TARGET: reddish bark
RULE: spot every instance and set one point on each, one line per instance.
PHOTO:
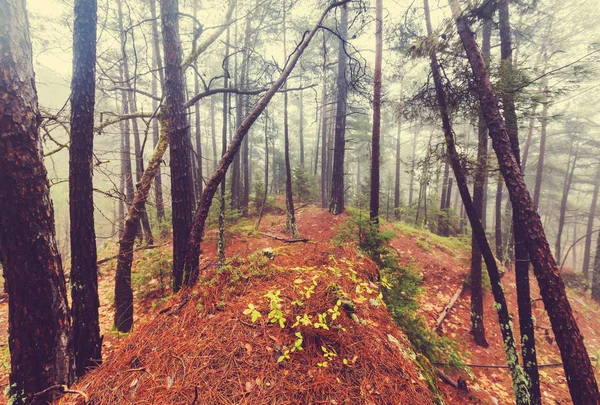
(38, 315)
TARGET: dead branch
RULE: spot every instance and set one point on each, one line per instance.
(107, 259)
(294, 240)
(64, 390)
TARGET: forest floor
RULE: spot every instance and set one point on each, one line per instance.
(132, 362)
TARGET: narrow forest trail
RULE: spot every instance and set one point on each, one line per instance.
(444, 264)
(206, 340)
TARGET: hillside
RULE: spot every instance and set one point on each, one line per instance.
(304, 322)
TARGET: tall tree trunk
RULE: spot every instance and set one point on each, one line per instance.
(542, 154)
(526, 326)
(443, 217)
(198, 138)
(197, 233)
(301, 122)
(336, 201)
(528, 139)
(590, 225)
(39, 324)
(130, 107)
(182, 196)
(245, 157)
(122, 197)
(324, 129)
(156, 65)
(412, 170)
(576, 362)
(213, 132)
(596, 273)
(571, 164)
(519, 383)
(290, 221)
(477, 324)
(235, 170)
(498, 224)
(87, 343)
(397, 177)
(375, 151)
(126, 172)
(225, 113)
(266, 193)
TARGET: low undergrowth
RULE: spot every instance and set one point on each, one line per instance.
(402, 283)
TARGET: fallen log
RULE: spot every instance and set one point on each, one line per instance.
(449, 306)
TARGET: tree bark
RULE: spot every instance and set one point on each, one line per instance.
(397, 177)
(182, 196)
(198, 138)
(596, 273)
(375, 147)
(123, 319)
(290, 219)
(498, 224)
(39, 323)
(225, 114)
(571, 165)
(542, 154)
(324, 130)
(266, 193)
(156, 66)
(526, 326)
(129, 107)
(477, 323)
(577, 365)
(412, 170)
(87, 343)
(197, 232)
(519, 382)
(590, 226)
(336, 201)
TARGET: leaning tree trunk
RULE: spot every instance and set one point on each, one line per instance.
(576, 362)
(375, 148)
(193, 253)
(123, 319)
(87, 343)
(336, 201)
(156, 65)
(39, 324)
(526, 326)
(477, 324)
(182, 196)
(512, 358)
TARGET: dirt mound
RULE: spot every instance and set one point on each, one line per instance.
(300, 323)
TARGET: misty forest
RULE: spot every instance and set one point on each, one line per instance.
(299, 202)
